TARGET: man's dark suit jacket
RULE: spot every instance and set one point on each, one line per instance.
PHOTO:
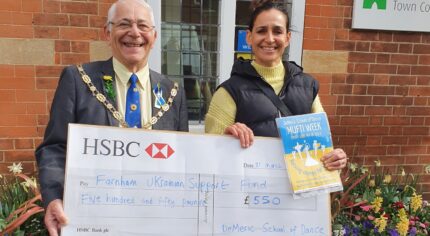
(74, 103)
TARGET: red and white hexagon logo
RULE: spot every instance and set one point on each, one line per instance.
(159, 150)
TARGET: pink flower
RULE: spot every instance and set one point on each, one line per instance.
(357, 218)
(366, 208)
(370, 217)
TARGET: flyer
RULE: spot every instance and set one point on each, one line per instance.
(305, 139)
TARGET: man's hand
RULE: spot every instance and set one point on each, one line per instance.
(242, 132)
(335, 160)
(55, 217)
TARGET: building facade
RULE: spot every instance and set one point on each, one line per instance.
(375, 85)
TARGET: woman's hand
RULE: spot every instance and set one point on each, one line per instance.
(335, 160)
(242, 132)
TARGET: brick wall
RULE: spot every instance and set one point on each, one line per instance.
(379, 99)
(375, 86)
(37, 39)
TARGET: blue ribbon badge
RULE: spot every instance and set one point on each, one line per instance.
(158, 93)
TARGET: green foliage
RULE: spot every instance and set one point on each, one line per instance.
(21, 211)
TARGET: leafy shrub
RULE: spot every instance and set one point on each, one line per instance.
(21, 211)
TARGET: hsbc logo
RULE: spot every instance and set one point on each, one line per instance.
(159, 150)
(119, 148)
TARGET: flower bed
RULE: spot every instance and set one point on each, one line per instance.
(379, 204)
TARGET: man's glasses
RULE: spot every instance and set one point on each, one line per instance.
(128, 25)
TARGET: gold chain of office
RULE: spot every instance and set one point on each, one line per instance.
(116, 114)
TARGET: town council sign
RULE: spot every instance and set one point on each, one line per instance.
(404, 15)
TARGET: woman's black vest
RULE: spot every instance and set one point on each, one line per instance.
(255, 109)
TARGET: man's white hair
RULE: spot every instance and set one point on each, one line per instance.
(112, 11)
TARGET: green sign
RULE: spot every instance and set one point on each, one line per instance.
(380, 4)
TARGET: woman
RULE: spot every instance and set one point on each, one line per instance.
(243, 105)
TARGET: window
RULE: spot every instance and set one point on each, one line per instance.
(189, 49)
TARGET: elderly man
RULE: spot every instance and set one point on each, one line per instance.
(121, 91)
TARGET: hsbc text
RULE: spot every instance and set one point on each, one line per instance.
(106, 147)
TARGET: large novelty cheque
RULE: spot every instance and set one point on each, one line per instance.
(137, 182)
